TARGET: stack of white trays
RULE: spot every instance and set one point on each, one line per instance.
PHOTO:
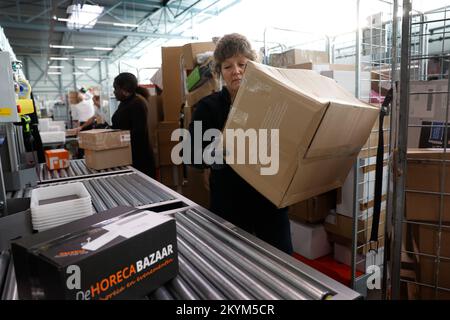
(56, 205)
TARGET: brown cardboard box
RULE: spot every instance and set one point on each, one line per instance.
(109, 158)
(323, 67)
(173, 92)
(171, 176)
(165, 144)
(425, 173)
(342, 226)
(103, 139)
(315, 209)
(321, 131)
(205, 90)
(194, 187)
(191, 50)
(298, 56)
(380, 81)
(428, 244)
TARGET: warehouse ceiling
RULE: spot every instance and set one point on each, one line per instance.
(123, 28)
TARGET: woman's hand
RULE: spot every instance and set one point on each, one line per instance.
(206, 174)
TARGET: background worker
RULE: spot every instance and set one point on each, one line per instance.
(132, 115)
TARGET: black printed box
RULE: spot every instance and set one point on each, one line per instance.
(122, 253)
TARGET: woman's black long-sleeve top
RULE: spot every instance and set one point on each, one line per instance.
(231, 197)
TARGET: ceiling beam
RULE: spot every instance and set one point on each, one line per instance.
(96, 31)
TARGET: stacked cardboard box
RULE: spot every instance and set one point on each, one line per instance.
(427, 111)
(424, 183)
(194, 186)
(106, 148)
(298, 56)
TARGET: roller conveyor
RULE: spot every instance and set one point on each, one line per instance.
(217, 261)
(77, 169)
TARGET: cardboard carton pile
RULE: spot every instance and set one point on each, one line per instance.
(106, 148)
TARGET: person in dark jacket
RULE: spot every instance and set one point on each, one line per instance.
(132, 115)
(231, 197)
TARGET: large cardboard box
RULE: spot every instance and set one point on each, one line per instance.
(191, 50)
(424, 174)
(109, 158)
(98, 257)
(298, 56)
(315, 209)
(342, 226)
(173, 92)
(206, 89)
(102, 139)
(429, 272)
(165, 144)
(321, 128)
(310, 240)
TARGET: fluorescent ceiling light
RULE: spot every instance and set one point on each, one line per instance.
(92, 59)
(83, 16)
(125, 25)
(61, 46)
(78, 73)
(54, 72)
(102, 48)
(84, 67)
(59, 58)
(56, 67)
(62, 19)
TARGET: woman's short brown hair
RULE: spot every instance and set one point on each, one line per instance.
(230, 45)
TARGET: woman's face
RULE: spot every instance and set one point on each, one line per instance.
(119, 93)
(232, 72)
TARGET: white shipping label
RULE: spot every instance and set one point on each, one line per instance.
(125, 138)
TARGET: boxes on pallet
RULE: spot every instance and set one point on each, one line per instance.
(424, 177)
(310, 240)
(321, 128)
(342, 226)
(315, 209)
(365, 186)
(343, 254)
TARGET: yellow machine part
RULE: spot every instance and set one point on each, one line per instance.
(26, 106)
